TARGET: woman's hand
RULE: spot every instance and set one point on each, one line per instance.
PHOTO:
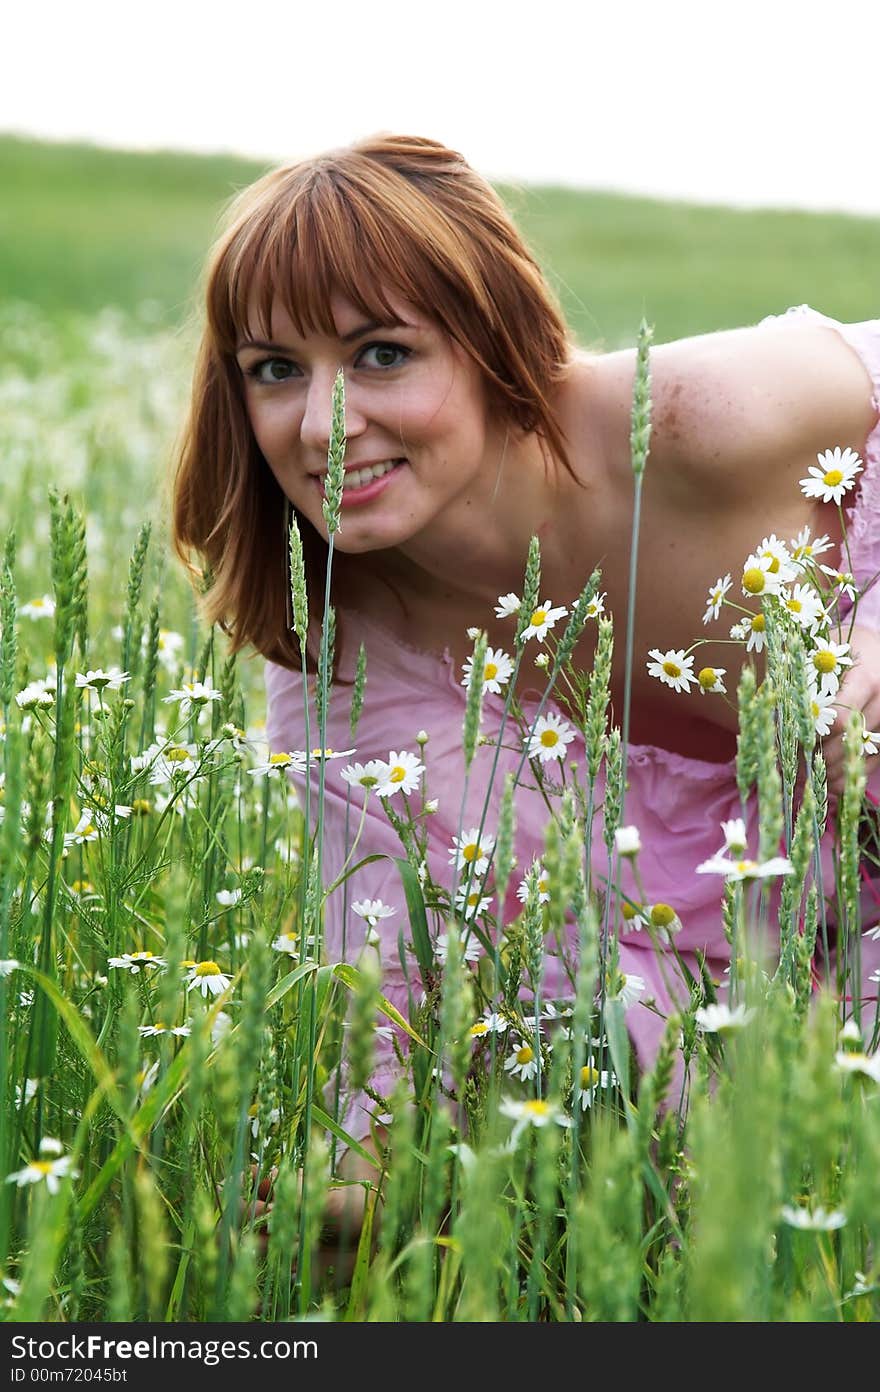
(859, 690)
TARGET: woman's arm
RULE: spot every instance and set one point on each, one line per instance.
(748, 406)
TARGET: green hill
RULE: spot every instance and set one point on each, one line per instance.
(82, 227)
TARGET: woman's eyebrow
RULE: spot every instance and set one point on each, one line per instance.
(349, 337)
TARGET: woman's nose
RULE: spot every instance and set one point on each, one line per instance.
(317, 420)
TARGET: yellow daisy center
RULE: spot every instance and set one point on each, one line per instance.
(397, 774)
(473, 899)
(743, 866)
(758, 624)
(44, 1166)
(539, 617)
(536, 1107)
(207, 969)
(833, 477)
(774, 562)
(470, 851)
(815, 708)
(279, 759)
(629, 911)
(672, 669)
(141, 807)
(754, 580)
(490, 671)
(707, 678)
(662, 915)
(589, 1076)
(525, 1054)
(543, 886)
(549, 738)
(824, 661)
(794, 605)
(142, 956)
(479, 1029)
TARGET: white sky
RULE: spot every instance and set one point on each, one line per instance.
(749, 102)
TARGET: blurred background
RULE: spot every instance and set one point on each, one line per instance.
(698, 165)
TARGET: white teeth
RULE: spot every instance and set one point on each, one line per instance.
(356, 478)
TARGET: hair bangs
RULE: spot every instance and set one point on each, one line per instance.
(326, 241)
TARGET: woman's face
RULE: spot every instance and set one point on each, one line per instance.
(415, 420)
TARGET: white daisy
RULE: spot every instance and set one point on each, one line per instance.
(367, 775)
(835, 474)
(816, 1221)
(470, 950)
(591, 1081)
(867, 1065)
(775, 553)
(193, 694)
(522, 893)
(709, 681)
(287, 943)
(537, 1111)
(136, 961)
(826, 663)
(173, 762)
(152, 1031)
(522, 1063)
(596, 606)
(402, 774)
(734, 833)
(844, 580)
(507, 606)
(278, 763)
(753, 629)
(870, 740)
(37, 694)
(220, 1028)
(228, 898)
(823, 710)
(100, 680)
(8, 965)
(746, 869)
(663, 919)
(85, 830)
(672, 667)
(720, 1019)
(759, 579)
(371, 910)
(803, 549)
(626, 988)
(45, 1171)
(543, 618)
(550, 737)
(42, 608)
(491, 1023)
(804, 605)
(471, 849)
(497, 670)
(716, 597)
(207, 978)
(627, 841)
(470, 903)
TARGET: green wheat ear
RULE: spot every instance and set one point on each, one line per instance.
(335, 458)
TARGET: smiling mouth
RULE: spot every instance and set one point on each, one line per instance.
(359, 478)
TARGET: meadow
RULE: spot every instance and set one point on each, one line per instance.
(172, 1035)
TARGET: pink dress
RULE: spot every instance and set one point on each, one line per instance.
(677, 802)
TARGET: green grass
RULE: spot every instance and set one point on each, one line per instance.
(82, 227)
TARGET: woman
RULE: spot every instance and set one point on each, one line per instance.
(472, 423)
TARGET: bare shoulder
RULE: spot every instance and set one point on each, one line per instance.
(729, 406)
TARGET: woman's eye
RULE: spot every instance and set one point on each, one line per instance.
(271, 370)
(384, 354)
